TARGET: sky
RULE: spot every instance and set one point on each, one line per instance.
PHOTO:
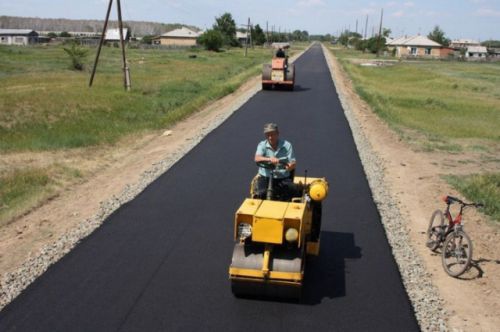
(470, 19)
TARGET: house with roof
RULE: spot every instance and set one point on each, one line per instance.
(177, 37)
(415, 46)
(113, 35)
(476, 53)
(18, 37)
(463, 43)
(494, 53)
(242, 37)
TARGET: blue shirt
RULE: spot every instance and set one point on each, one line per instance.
(284, 152)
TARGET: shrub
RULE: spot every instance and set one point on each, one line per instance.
(212, 40)
(77, 55)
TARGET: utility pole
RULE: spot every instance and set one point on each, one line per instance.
(126, 71)
(267, 33)
(366, 25)
(246, 43)
(380, 32)
(356, 25)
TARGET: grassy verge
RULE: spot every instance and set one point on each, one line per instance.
(433, 104)
(21, 189)
(482, 188)
(450, 107)
(46, 106)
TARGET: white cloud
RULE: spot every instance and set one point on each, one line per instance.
(311, 3)
(409, 4)
(399, 13)
(486, 12)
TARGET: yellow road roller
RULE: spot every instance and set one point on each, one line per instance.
(273, 239)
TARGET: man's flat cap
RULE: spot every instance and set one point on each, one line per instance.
(270, 127)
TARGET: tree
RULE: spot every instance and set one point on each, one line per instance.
(77, 55)
(147, 39)
(212, 40)
(438, 36)
(227, 27)
(65, 34)
(258, 35)
(349, 38)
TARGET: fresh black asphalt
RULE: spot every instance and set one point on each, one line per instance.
(160, 263)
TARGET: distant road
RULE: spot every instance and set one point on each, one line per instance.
(160, 263)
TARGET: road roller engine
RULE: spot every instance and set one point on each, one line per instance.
(273, 238)
(278, 74)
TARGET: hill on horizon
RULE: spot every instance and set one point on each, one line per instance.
(138, 28)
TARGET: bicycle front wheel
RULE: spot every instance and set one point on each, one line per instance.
(457, 253)
(436, 230)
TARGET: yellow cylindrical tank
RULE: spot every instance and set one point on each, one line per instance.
(318, 190)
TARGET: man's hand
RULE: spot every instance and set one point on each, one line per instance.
(274, 160)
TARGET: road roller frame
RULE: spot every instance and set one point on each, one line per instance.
(278, 74)
(273, 239)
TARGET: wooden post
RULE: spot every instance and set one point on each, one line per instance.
(126, 72)
(380, 33)
(100, 43)
(246, 41)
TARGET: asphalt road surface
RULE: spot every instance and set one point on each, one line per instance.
(160, 263)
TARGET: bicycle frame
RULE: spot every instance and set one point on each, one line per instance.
(458, 219)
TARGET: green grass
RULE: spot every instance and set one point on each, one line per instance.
(44, 105)
(480, 188)
(22, 188)
(441, 101)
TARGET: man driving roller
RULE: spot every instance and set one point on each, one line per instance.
(279, 153)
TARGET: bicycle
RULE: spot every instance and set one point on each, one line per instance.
(456, 255)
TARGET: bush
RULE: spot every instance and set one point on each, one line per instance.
(77, 55)
(212, 40)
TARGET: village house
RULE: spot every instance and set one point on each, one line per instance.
(494, 53)
(416, 46)
(177, 37)
(113, 35)
(242, 37)
(463, 43)
(18, 37)
(476, 53)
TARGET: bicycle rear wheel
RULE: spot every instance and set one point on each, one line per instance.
(436, 230)
(457, 253)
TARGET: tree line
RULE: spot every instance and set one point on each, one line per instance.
(223, 33)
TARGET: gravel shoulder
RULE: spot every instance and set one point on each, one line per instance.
(405, 185)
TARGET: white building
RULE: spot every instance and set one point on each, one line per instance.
(476, 53)
(463, 43)
(113, 35)
(18, 36)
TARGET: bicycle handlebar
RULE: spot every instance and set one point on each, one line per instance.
(450, 200)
